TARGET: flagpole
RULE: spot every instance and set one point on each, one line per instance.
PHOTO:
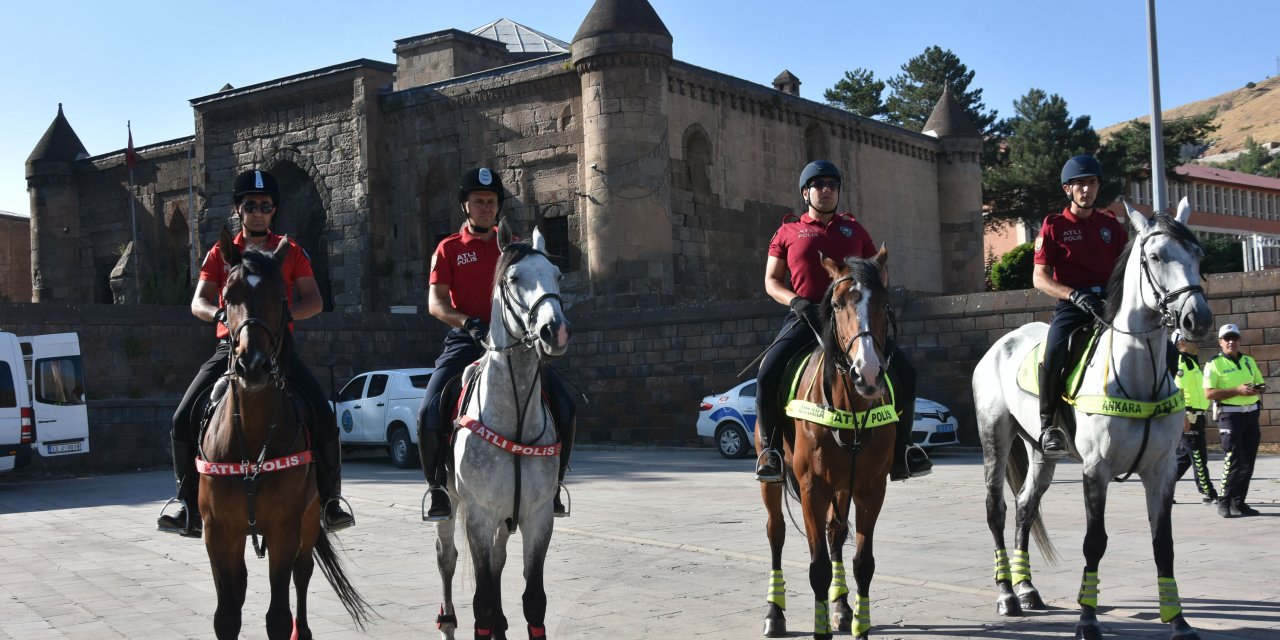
(133, 212)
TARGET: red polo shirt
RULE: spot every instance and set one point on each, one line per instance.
(297, 265)
(467, 264)
(800, 238)
(1082, 251)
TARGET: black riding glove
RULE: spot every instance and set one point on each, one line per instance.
(220, 316)
(1088, 302)
(476, 328)
(805, 309)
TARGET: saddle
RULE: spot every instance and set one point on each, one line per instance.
(202, 409)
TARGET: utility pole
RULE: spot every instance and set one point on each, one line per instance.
(1159, 201)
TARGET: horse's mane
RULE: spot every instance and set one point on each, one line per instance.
(865, 273)
(1165, 224)
(513, 253)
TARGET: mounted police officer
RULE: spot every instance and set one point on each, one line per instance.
(461, 295)
(1074, 256)
(257, 198)
(794, 277)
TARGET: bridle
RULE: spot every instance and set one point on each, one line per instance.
(1163, 297)
(515, 311)
(844, 364)
(275, 337)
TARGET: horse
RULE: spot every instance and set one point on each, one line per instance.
(255, 460)
(1156, 282)
(839, 451)
(505, 452)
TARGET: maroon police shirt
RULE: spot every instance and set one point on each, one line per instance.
(1082, 251)
(800, 238)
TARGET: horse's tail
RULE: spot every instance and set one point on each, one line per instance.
(331, 566)
(1015, 472)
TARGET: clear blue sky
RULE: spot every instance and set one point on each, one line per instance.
(113, 62)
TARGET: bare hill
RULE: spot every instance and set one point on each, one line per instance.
(1241, 113)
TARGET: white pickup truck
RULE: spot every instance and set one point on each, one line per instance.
(42, 398)
(380, 408)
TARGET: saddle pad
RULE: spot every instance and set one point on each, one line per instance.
(1029, 370)
(1028, 381)
(831, 416)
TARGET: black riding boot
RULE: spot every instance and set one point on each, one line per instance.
(769, 464)
(909, 458)
(1053, 440)
(186, 520)
(432, 450)
(566, 448)
(329, 483)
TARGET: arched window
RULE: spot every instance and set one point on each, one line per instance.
(697, 159)
(815, 143)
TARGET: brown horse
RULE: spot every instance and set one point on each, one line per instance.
(840, 449)
(256, 476)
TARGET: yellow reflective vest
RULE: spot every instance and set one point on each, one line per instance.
(1222, 373)
(1191, 381)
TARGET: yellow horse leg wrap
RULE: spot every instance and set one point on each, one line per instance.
(862, 616)
(1170, 603)
(1089, 590)
(1021, 566)
(1002, 565)
(838, 587)
(777, 589)
(822, 618)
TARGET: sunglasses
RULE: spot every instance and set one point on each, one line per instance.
(825, 184)
(1230, 337)
(264, 208)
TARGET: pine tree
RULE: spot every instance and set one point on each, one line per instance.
(858, 92)
(915, 91)
(1024, 180)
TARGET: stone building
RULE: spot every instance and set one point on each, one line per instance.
(656, 181)
(15, 258)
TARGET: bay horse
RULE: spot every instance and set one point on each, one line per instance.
(839, 452)
(1155, 283)
(255, 460)
(506, 454)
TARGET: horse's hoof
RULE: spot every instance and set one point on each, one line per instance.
(1007, 605)
(841, 616)
(1031, 601)
(822, 636)
(775, 628)
(1182, 630)
(1091, 631)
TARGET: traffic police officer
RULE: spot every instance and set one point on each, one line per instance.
(1191, 451)
(1233, 382)
(794, 276)
(1074, 256)
(461, 292)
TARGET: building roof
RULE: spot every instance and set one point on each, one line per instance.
(949, 119)
(1236, 178)
(621, 16)
(59, 142)
(785, 76)
(519, 38)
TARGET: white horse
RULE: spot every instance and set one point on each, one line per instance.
(1156, 283)
(506, 454)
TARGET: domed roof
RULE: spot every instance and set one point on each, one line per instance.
(621, 16)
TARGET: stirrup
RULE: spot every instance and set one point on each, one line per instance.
(762, 460)
(324, 521)
(1054, 454)
(567, 503)
(444, 518)
(186, 530)
(906, 463)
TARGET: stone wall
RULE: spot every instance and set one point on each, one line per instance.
(15, 258)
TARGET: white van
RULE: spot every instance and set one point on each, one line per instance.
(42, 398)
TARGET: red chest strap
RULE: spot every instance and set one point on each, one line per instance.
(290, 461)
(505, 444)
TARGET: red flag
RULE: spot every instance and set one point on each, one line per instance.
(130, 157)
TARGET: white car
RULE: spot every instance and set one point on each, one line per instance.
(380, 408)
(729, 420)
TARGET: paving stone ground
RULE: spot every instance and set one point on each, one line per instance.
(661, 544)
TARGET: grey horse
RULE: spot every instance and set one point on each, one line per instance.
(506, 455)
(1156, 283)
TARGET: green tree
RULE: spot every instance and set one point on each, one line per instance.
(1023, 180)
(859, 92)
(1126, 156)
(1013, 271)
(915, 91)
(1222, 254)
(1254, 159)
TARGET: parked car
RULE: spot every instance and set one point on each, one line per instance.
(42, 398)
(729, 420)
(380, 408)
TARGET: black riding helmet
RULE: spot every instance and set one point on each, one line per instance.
(480, 179)
(1081, 166)
(818, 169)
(255, 181)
